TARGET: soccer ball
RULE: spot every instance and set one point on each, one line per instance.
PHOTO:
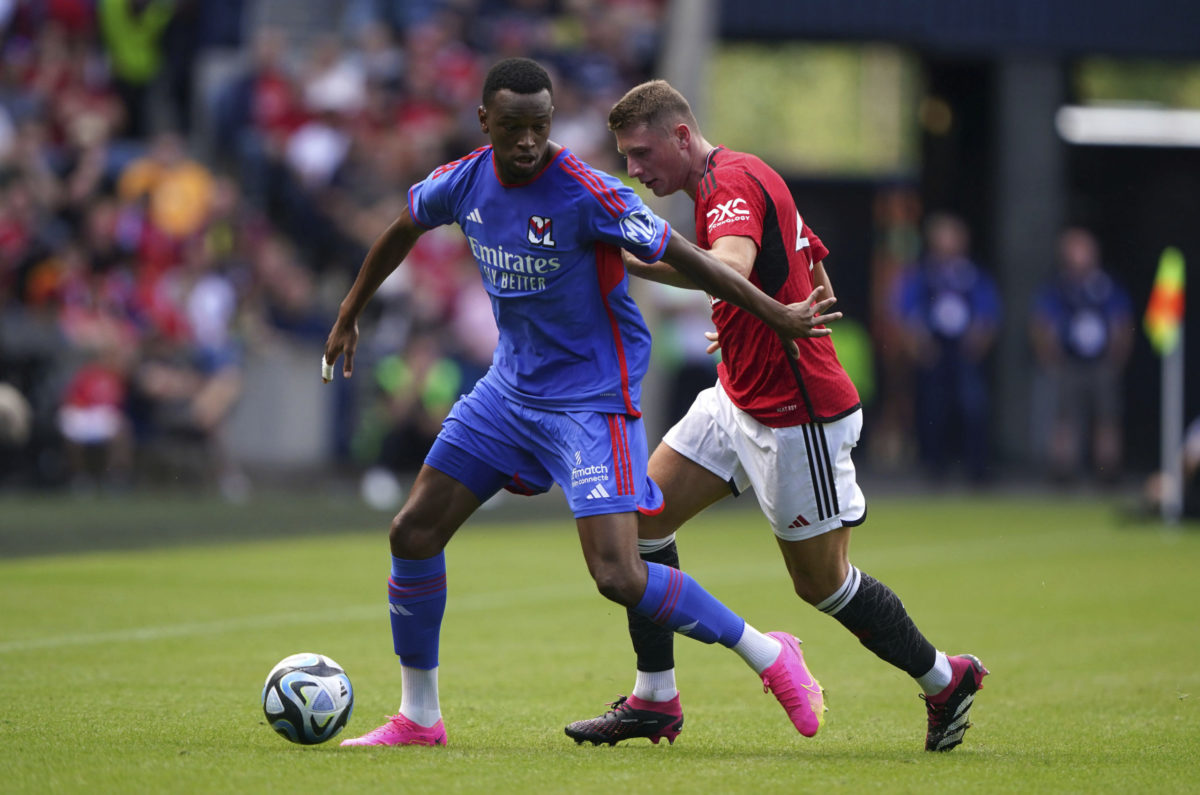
(307, 698)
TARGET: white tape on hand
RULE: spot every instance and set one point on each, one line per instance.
(326, 370)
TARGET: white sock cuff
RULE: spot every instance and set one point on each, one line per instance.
(758, 650)
(648, 545)
(937, 678)
(842, 596)
(419, 695)
(656, 685)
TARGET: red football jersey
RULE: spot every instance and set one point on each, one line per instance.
(741, 195)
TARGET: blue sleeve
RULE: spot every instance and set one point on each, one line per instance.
(621, 218)
(430, 201)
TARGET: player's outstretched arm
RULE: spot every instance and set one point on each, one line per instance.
(789, 321)
(659, 272)
(388, 251)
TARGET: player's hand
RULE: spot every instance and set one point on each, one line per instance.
(342, 341)
(804, 319)
(714, 342)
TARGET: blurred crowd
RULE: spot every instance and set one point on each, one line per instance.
(153, 234)
(937, 321)
(157, 229)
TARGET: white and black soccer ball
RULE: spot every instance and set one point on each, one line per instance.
(307, 698)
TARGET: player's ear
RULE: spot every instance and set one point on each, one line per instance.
(483, 125)
(683, 135)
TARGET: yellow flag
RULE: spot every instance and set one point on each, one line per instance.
(1164, 311)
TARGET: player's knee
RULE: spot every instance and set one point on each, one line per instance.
(656, 526)
(412, 539)
(813, 590)
(618, 583)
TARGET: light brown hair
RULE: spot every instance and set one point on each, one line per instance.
(655, 103)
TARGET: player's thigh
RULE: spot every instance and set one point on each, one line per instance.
(609, 543)
(598, 459)
(481, 445)
(436, 507)
(696, 464)
(688, 488)
(817, 565)
(610, 538)
(804, 475)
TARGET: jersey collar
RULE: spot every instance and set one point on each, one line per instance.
(562, 152)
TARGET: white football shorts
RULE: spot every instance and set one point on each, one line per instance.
(803, 476)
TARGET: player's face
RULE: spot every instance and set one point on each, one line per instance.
(519, 128)
(654, 157)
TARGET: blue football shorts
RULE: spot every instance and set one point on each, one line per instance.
(489, 442)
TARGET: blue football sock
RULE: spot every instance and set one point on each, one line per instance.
(676, 601)
(417, 601)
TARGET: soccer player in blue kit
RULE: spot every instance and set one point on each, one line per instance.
(560, 403)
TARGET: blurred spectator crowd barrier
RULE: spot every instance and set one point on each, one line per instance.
(186, 188)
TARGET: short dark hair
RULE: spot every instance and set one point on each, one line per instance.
(518, 75)
(654, 103)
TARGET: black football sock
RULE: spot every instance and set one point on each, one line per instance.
(654, 644)
(877, 617)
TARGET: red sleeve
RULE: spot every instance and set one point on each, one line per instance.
(733, 205)
(819, 252)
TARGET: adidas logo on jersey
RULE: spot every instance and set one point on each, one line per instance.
(799, 521)
(475, 216)
(598, 492)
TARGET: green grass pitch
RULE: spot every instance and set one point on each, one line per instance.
(140, 670)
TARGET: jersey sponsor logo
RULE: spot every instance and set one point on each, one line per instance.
(594, 473)
(475, 216)
(639, 228)
(509, 270)
(498, 257)
(541, 231)
(728, 212)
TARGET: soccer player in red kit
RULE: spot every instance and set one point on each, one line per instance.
(785, 426)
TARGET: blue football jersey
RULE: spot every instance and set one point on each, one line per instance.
(548, 249)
